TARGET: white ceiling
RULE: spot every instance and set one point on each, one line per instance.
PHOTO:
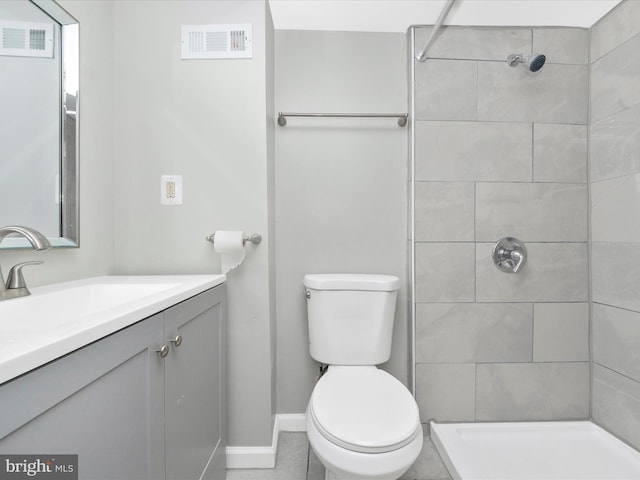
(398, 15)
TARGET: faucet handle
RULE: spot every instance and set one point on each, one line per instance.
(15, 278)
(519, 260)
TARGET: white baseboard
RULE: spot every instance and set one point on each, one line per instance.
(265, 457)
(251, 457)
(292, 422)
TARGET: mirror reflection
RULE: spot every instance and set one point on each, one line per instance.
(38, 123)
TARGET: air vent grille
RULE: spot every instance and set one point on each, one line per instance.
(37, 39)
(216, 41)
(236, 40)
(13, 37)
(196, 41)
(26, 39)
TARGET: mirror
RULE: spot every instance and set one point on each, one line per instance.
(39, 61)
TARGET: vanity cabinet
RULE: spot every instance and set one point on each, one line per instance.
(195, 393)
(129, 411)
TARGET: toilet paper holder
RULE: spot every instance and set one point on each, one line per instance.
(256, 238)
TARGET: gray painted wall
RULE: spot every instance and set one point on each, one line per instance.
(96, 255)
(501, 152)
(340, 184)
(206, 120)
(615, 229)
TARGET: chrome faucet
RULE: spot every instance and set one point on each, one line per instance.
(15, 285)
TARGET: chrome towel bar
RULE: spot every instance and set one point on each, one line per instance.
(402, 117)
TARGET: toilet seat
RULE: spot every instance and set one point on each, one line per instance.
(364, 409)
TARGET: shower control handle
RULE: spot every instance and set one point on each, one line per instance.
(518, 257)
(509, 254)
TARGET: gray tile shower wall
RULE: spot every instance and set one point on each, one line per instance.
(615, 232)
(501, 152)
(457, 151)
(532, 391)
(557, 94)
(614, 144)
(616, 403)
(554, 272)
(559, 152)
(614, 29)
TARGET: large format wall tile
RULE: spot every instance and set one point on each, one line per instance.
(444, 272)
(618, 26)
(554, 272)
(475, 43)
(616, 339)
(615, 272)
(532, 391)
(614, 145)
(559, 153)
(616, 404)
(614, 156)
(472, 332)
(614, 80)
(531, 212)
(446, 392)
(562, 45)
(555, 94)
(561, 332)
(473, 151)
(444, 211)
(446, 90)
(615, 209)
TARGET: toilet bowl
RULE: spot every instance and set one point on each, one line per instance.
(363, 424)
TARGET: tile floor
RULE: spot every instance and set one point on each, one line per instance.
(296, 461)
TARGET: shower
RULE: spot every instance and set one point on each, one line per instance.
(534, 62)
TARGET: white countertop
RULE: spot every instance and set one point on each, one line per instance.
(58, 319)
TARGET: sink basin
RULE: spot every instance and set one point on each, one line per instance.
(61, 306)
(57, 319)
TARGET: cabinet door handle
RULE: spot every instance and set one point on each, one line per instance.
(177, 341)
(164, 351)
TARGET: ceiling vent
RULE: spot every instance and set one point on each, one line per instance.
(216, 41)
(26, 39)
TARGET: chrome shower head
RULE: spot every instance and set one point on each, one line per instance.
(534, 62)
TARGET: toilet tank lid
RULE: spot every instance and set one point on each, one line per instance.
(352, 281)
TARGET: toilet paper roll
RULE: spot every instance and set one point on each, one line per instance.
(230, 245)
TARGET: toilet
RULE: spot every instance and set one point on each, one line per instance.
(362, 423)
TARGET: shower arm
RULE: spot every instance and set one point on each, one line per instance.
(422, 56)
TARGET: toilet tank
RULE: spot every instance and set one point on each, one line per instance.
(351, 317)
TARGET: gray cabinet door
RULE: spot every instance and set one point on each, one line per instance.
(195, 393)
(103, 402)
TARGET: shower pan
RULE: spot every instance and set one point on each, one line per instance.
(534, 451)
